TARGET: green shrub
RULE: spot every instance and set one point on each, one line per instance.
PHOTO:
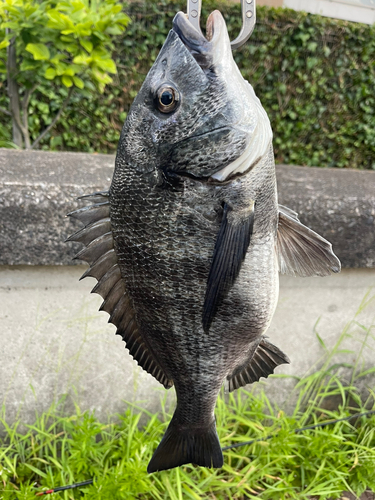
(315, 77)
(51, 41)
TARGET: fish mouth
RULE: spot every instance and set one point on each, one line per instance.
(202, 48)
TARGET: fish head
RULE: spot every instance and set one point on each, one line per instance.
(195, 114)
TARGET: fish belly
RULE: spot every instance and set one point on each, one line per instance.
(248, 310)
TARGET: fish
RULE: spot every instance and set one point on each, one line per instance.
(188, 242)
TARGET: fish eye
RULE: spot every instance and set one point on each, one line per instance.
(167, 99)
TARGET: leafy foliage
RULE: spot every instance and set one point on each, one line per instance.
(59, 40)
(315, 77)
(58, 45)
(317, 463)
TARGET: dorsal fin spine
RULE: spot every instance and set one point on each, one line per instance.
(100, 253)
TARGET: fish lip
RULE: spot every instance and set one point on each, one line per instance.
(201, 48)
(208, 51)
(191, 38)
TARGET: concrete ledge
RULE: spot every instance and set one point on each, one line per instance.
(39, 188)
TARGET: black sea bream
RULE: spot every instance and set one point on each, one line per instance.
(188, 242)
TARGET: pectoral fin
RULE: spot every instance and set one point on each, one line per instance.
(301, 251)
(230, 250)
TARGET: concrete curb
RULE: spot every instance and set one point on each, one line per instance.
(39, 188)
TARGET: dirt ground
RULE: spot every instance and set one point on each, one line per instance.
(367, 495)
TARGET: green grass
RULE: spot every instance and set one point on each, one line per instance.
(58, 449)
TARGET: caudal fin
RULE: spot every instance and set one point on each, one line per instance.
(183, 445)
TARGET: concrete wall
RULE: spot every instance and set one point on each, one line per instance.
(358, 11)
(53, 340)
(270, 3)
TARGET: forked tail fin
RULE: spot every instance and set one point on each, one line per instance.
(183, 445)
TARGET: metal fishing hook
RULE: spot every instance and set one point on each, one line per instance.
(248, 9)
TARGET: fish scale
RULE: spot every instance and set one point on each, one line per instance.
(188, 242)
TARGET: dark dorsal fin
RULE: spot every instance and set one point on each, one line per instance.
(230, 250)
(262, 361)
(301, 251)
(100, 254)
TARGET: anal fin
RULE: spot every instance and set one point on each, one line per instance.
(262, 363)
